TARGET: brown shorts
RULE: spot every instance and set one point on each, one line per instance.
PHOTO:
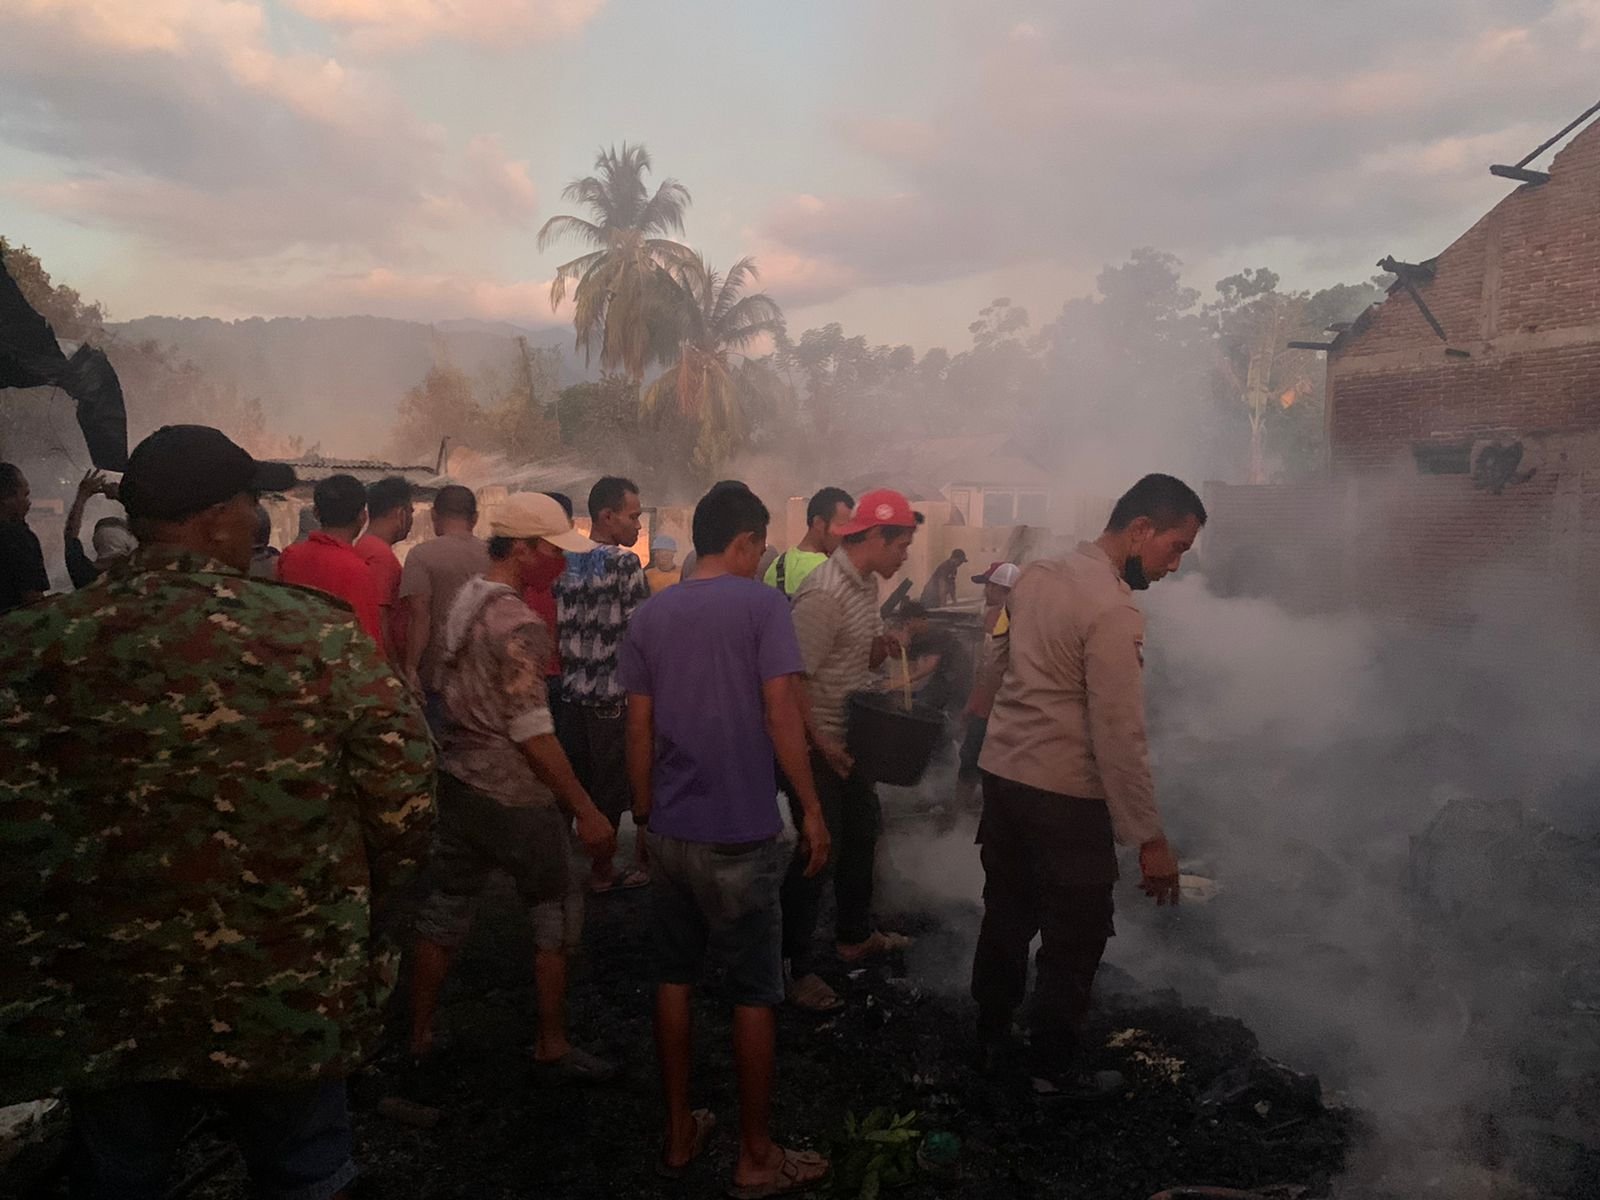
(475, 836)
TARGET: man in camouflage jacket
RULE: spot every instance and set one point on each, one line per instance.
(208, 783)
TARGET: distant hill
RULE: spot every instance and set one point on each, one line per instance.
(337, 380)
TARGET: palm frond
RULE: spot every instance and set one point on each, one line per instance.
(559, 227)
(663, 212)
(747, 320)
(739, 276)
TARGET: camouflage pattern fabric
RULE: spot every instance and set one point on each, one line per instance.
(205, 782)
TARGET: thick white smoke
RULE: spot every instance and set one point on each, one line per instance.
(1390, 815)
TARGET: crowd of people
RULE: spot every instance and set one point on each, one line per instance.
(238, 783)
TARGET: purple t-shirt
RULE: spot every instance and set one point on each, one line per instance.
(701, 651)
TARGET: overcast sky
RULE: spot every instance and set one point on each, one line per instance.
(892, 164)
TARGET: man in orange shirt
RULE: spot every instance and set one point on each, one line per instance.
(327, 559)
(389, 516)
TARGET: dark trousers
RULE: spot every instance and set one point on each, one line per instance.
(595, 739)
(1049, 864)
(850, 810)
(295, 1140)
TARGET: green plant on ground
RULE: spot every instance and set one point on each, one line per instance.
(875, 1153)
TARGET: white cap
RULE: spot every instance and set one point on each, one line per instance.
(1005, 575)
(535, 515)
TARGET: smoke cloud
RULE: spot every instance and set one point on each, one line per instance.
(1398, 822)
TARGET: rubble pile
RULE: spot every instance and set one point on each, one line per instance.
(1506, 916)
(1200, 1106)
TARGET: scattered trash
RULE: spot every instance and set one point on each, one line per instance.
(940, 1154)
(1147, 1053)
(408, 1112)
(1261, 1085)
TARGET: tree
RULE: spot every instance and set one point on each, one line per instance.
(597, 416)
(442, 405)
(520, 414)
(159, 386)
(1279, 390)
(713, 321)
(70, 316)
(621, 280)
(1252, 319)
(1122, 375)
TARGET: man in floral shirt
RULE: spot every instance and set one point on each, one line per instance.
(595, 599)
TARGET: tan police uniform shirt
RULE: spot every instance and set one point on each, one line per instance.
(1069, 715)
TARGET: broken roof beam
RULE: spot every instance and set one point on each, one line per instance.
(1406, 270)
(1311, 345)
(1520, 174)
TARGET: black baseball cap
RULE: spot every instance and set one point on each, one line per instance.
(180, 470)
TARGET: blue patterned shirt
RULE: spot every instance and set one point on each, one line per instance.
(595, 597)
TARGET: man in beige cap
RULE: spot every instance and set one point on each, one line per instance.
(507, 793)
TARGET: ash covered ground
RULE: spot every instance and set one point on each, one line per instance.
(1201, 1105)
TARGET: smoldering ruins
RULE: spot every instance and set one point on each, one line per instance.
(1372, 703)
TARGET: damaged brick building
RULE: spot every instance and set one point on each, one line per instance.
(1463, 420)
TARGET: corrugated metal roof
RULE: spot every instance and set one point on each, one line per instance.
(313, 469)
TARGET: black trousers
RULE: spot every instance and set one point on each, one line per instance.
(851, 811)
(1049, 864)
(595, 738)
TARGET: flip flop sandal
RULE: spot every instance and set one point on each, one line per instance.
(705, 1124)
(799, 1171)
(627, 881)
(878, 944)
(575, 1066)
(812, 994)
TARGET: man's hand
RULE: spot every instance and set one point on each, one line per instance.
(837, 757)
(93, 482)
(885, 644)
(1159, 866)
(596, 833)
(816, 841)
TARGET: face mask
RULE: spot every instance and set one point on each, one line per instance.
(1133, 573)
(545, 571)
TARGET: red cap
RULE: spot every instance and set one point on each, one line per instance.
(883, 506)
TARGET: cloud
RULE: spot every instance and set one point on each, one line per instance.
(180, 121)
(384, 25)
(894, 139)
(1068, 135)
(498, 183)
(405, 295)
(796, 280)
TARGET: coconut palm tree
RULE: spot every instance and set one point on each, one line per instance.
(712, 321)
(620, 280)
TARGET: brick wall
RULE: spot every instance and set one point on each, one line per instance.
(1434, 550)
(1519, 292)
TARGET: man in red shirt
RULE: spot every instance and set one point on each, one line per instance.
(327, 559)
(389, 515)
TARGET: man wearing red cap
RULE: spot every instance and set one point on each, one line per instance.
(842, 642)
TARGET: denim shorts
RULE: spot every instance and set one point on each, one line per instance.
(719, 903)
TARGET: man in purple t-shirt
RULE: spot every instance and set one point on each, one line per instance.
(711, 668)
